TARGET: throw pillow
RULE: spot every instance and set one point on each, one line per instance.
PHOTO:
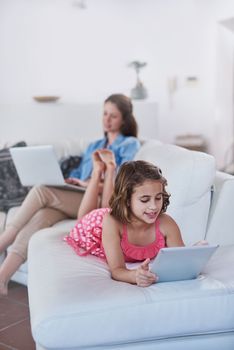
(12, 193)
(68, 164)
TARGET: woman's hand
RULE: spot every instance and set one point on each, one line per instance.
(144, 277)
(76, 182)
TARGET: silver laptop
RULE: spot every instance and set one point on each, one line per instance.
(38, 165)
(181, 263)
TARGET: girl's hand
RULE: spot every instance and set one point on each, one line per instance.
(77, 182)
(202, 242)
(144, 277)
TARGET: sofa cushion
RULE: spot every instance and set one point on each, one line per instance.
(68, 147)
(77, 296)
(190, 176)
(12, 193)
(68, 164)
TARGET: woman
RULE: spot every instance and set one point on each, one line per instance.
(44, 206)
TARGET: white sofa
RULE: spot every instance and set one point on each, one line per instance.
(74, 303)
(64, 148)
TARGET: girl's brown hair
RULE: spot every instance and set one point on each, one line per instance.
(124, 105)
(130, 175)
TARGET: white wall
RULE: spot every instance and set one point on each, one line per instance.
(53, 47)
(52, 122)
(224, 113)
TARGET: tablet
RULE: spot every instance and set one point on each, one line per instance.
(181, 263)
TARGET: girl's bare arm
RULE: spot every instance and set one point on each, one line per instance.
(111, 242)
(171, 231)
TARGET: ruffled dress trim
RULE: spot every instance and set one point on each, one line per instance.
(133, 253)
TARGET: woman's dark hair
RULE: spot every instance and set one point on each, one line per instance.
(130, 175)
(124, 105)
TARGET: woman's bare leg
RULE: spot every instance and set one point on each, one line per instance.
(7, 269)
(91, 196)
(7, 238)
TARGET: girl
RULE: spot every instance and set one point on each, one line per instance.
(44, 206)
(135, 227)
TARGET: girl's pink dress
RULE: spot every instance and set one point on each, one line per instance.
(88, 231)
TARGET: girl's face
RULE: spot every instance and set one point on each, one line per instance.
(147, 201)
(112, 118)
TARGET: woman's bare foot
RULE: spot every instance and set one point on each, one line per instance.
(3, 289)
(108, 157)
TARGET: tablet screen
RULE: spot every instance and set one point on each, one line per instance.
(181, 263)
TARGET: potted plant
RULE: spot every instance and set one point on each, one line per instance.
(139, 91)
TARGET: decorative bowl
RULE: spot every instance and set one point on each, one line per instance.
(46, 98)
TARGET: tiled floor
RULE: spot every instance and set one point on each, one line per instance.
(15, 332)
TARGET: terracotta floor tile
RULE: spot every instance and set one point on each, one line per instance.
(13, 284)
(11, 312)
(6, 347)
(15, 330)
(18, 293)
(18, 336)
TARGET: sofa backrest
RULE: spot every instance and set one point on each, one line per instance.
(190, 175)
(70, 147)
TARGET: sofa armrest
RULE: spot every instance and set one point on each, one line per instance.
(220, 228)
